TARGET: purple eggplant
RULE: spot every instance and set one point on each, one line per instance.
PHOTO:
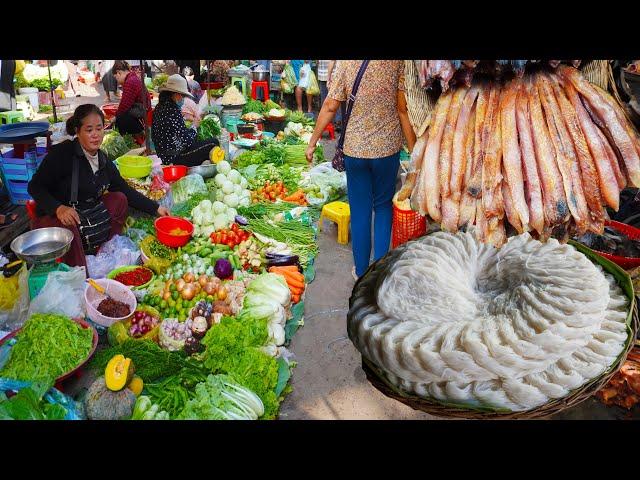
(240, 220)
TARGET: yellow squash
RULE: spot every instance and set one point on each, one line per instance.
(118, 373)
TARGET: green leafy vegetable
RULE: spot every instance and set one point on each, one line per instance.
(145, 223)
(47, 347)
(159, 80)
(269, 209)
(150, 360)
(254, 106)
(188, 186)
(184, 209)
(209, 127)
(43, 84)
(299, 117)
(173, 392)
(114, 145)
(28, 404)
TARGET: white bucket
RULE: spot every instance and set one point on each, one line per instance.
(32, 94)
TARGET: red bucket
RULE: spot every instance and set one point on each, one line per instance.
(633, 233)
(407, 225)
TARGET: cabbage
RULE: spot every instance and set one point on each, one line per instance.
(219, 207)
(237, 189)
(188, 186)
(227, 187)
(219, 195)
(207, 230)
(276, 333)
(243, 182)
(219, 179)
(231, 200)
(221, 221)
(271, 285)
(234, 176)
(245, 202)
(224, 167)
(223, 269)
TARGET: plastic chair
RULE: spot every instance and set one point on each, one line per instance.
(339, 213)
(263, 85)
(331, 130)
(243, 84)
(12, 116)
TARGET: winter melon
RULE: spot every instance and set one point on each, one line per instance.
(104, 404)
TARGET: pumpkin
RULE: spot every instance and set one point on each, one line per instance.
(136, 385)
(216, 155)
(118, 373)
(101, 403)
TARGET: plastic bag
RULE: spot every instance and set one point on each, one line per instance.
(188, 186)
(288, 80)
(63, 293)
(304, 76)
(120, 251)
(136, 234)
(13, 314)
(313, 88)
(29, 410)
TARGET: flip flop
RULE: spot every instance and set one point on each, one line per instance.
(6, 220)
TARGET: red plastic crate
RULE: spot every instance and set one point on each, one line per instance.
(407, 225)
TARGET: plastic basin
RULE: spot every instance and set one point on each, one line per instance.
(165, 224)
(134, 166)
(174, 172)
(115, 290)
(112, 275)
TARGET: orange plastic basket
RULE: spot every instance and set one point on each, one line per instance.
(407, 225)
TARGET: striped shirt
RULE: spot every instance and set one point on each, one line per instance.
(323, 70)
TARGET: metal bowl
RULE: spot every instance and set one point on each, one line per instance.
(206, 171)
(260, 75)
(42, 244)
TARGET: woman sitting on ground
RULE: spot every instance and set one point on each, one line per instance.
(99, 195)
(134, 104)
(174, 142)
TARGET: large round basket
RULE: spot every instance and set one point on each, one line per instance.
(434, 407)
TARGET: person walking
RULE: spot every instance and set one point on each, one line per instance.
(374, 127)
(72, 68)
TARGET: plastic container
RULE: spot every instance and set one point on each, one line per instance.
(38, 275)
(112, 274)
(406, 226)
(134, 166)
(165, 224)
(115, 290)
(174, 172)
(633, 233)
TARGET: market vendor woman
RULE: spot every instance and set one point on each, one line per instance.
(94, 206)
(174, 142)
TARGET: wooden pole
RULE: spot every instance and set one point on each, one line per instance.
(53, 100)
(208, 81)
(145, 92)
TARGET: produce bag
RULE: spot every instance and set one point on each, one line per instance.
(14, 300)
(120, 251)
(188, 186)
(313, 88)
(304, 76)
(63, 294)
(288, 80)
(35, 402)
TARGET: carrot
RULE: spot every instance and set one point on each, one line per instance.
(295, 298)
(296, 291)
(291, 268)
(294, 279)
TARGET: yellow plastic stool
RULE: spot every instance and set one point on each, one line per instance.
(340, 213)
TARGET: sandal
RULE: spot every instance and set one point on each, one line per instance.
(6, 220)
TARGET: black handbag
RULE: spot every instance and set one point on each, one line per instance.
(338, 159)
(95, 220)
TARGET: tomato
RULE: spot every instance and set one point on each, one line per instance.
(230, 244)
(234, 227)
(223, 237)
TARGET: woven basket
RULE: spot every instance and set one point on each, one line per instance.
(440, 409)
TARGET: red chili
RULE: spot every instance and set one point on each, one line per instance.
(136, 277)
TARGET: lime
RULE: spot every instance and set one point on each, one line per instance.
(171, 303)
(175, 294)
(163, 305)
(172, 288)
(210, 298)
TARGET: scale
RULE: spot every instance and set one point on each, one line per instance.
(41, 248)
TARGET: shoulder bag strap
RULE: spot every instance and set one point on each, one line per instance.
(350, 100)
(75, 171)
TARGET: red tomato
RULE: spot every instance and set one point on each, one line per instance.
(223, 237)
(231, 244)
(234, 227)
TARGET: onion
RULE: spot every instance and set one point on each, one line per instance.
(222, 292)
(188, 277)
(210, 288)
(188, 292)
(180, 284)
(202, 280)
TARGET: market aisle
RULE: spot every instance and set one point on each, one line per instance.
(328, 383)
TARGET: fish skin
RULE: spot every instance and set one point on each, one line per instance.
(429, 180)
(565, 156)
(468, 202)
(481, 222)
(533, 188)
(614, 163)
(446, 147)
(450, 214)
(607, 113)
(588, 171)
(511, 157)
(458, 158)
(509, 210)
(556, 210)
(492, 162)
(417, 154)
(474, 184)
(446, 74)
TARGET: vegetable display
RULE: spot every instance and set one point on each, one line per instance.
(134, 278)
(47, 347)
(209, 127)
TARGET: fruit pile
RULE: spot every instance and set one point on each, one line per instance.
(269, 192)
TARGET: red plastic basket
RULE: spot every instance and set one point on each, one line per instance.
(407, 225)
(631, 232)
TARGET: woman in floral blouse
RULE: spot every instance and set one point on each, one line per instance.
(373, 140)
(174, 142)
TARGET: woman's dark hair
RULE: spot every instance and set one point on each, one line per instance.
(187, 71)
(165, 96)
(120, 66)
(74, 122)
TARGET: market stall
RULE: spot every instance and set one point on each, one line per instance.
(486, 316)
(181, 317)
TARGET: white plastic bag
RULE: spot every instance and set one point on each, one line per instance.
(120, 251)
(304, 76)
(15, 317)
(63, 294)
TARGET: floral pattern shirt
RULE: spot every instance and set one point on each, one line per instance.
(374, 128)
